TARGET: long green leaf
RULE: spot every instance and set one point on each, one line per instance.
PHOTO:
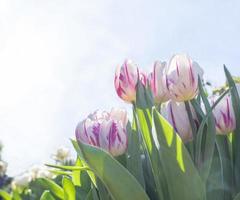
(84, 164)
(5, 195)
(182, 177)
(237, 197)
(52, 186)
(226, 167)
(47, 196)
(102, 190)
(134, 161)
(69, 168)
(204, 120)
(208, 143)
(144, 114)
(76, 175)
(214, 185)
(69, 189)
(236, 133)
(119, 182)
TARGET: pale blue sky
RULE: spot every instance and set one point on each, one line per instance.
(57, 60)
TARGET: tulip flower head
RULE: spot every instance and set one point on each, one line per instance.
(126, 78)
(105, 130)
(224, 115)
(182, 78)
(176, 114)
(157, 81)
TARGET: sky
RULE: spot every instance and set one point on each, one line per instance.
(58, 58)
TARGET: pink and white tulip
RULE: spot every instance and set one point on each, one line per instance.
(126, 78)
(182, 78)
(176, 114)
(157, 84)
(105, 130)
(224, 115)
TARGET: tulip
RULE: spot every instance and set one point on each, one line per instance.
(105, 130)
(176, 114)
(157, 84)
(182, 78)
(126, 78)
(224, 115)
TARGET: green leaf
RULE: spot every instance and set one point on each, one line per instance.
(16, 195)
(119, 182)
(144, 106)
(84, 164)
(76, 175)
(5, 195)
(47, 196)
(60, 172)
(182, 177)
(92, 194)
(102, 190)
(237, 197)
(69, 189)
(69, 168)
(134, 162)
(201, 130)
(214, 185)
(192, 147)
(81, 193)
(206, 138)
(226, 167)
(236, 133)
(52, 186)
(197, 108)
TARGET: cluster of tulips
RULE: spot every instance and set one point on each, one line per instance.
(181, 144)
(189, 140)
(171, 85)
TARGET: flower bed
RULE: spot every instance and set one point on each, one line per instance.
(183, 143)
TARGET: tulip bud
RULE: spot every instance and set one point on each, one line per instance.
(157, 84)
(224, 115)
(182, 78)
(105, 130)
(176, 114)
(126, 78)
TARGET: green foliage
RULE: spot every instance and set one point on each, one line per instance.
(157, 164)
(109, 170)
